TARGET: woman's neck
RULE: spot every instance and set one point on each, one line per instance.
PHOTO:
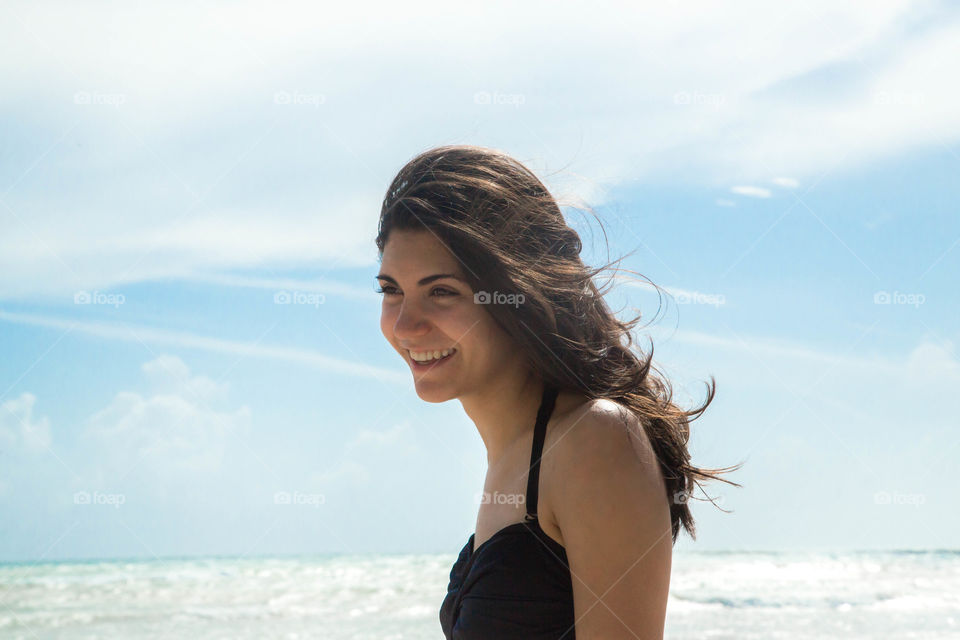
(504, 410)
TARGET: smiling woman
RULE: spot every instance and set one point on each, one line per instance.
(486, 299)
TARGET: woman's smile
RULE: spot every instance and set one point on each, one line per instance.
(426, 360)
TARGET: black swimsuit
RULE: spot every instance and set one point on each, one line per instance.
(517, 584)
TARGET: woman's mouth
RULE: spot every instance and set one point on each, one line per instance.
(424, 360)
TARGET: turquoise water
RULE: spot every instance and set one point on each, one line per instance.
(392, 597)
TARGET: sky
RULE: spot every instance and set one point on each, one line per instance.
(191, 361)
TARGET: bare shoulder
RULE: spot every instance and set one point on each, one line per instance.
(600, 454)
(610, 511)
(601, 432)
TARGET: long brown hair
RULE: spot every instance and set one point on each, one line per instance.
(509, 234)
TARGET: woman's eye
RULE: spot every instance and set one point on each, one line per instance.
(438, 291)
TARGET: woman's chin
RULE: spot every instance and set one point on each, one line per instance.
(432, 392)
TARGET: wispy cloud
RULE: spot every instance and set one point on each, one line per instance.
(768, 346)
(321, 286)
(680, 296)
(753, 192)
(789, 183)
(149, 335)
(778, 348)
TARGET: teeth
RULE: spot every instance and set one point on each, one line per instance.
(427, 356)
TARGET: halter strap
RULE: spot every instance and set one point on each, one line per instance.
(539, 435)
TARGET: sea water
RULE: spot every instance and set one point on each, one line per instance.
(715, 595)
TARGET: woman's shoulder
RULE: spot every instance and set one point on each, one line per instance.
(600, 457)
(586, 429)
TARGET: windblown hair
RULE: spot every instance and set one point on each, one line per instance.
(510, 236)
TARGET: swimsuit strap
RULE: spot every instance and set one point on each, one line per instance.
(539, 435)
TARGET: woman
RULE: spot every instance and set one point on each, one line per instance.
(486, 299)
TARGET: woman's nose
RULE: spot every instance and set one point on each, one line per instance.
(410, 323)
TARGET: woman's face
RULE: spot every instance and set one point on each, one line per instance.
(428, 307)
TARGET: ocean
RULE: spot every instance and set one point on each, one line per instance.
(717, 595)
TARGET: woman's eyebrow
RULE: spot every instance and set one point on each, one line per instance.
(423, 281)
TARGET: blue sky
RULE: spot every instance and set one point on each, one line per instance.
(790, 179)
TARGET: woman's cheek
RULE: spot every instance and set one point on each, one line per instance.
(388, 318)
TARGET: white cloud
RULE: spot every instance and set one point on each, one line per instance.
(753, 192)
(170, 374)
(364, 455)
(183, 429)
(200, 170)
(91, 252)
(19, 428)
(789, 183)
(323, 286)
(933, 364)
(722, 202)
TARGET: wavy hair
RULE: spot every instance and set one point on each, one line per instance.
(509, 234)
